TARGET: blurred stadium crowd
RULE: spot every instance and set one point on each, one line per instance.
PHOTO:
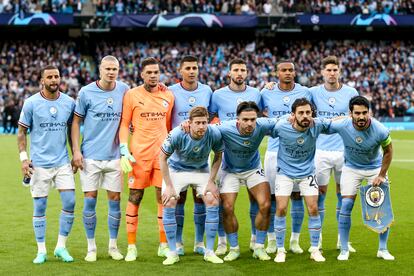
(379, 70)
(261, 7)
(223, 7)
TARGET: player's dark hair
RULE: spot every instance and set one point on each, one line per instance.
(188, 59)
(358, 100)
(149, 61)
(303, 102)
(285, 61)
(330, 60)
(198, 111)
(247, 106)
(237, 61)
(47, 67)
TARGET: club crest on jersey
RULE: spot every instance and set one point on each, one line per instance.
(53, 111)
(300, 141)
(240, 100)
(359, 139)
(191, 100)
(246, 143)
(374, 196)
(286, 99)
(332, 102)
(165, 103)
(110, 102)
(131, 180)
(196, 149)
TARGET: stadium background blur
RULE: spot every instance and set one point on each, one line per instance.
(377, 59)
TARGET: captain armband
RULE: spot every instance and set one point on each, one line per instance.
(386, 142)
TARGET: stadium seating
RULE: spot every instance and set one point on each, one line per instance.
(381, 71)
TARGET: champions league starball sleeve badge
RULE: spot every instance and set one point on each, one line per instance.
(376, 207)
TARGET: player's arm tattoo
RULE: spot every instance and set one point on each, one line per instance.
(21, 138)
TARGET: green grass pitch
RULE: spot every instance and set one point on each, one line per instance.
(18, 248)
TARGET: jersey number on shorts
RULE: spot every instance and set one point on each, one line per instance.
(312, 181)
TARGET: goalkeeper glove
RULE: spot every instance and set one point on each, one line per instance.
(126, 157)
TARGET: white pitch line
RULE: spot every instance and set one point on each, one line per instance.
(403, 160)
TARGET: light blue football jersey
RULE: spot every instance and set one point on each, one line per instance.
(48, 121)
(331, 104)
(362, 148)
(101, 111)
(241, 152)
(185, 100)
(296, 153)
(224, 101)
(278, 103)
(188, 154)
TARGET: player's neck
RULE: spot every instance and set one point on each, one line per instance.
(150, 89)
(332, 87)
(105, 85)
(286, 86)
(237, 88)
(49, 95)
(189, 86)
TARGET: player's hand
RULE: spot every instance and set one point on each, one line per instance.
(270, 85)
(126, 158)
(378, 181)
(162, 87)
(169, 193)
(185, 126)
(27, 168)
(212, 188)
(77, 161)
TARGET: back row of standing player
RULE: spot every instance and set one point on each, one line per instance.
(101, 113)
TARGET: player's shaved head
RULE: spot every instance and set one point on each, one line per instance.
(285, 62)
(109, 58)
(47, 67)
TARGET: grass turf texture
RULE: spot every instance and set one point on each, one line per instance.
(18, 248)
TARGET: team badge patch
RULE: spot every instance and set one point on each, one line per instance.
(196, 149)
(376, 207)
(191, 100)
(246, 143)
(286, 99)
(165, 103)
(300, 141)
(53, 111)
(359, 139)
(331, 101)
(131, 180)
(109, 101)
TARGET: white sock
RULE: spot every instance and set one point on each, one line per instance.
(131, 246)
(222, 240)
(61, 242)
(237, 248)
(91, 245)
(112, 244)
(294, 236)
(271, 236)
(41, 247)
(199, 244)
(258, 245)
(253, 238)
(179, 244)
